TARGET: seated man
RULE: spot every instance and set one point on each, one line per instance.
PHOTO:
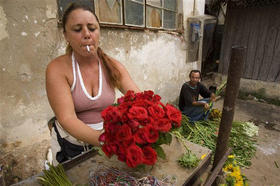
(188, 101)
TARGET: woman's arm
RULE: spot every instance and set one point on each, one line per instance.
(60, 99)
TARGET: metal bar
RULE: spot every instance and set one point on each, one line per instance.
(233, 82)
(217, 169)
(79, 159)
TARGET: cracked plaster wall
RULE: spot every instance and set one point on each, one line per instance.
(29, 39)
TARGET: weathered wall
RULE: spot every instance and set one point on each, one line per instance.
(29, 39)
(156, 61)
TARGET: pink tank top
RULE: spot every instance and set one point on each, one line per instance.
(88, 108)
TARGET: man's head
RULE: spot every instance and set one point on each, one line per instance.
(195, 77)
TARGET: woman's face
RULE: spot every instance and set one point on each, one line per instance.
(82, 29)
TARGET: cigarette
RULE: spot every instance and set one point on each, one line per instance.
(88, 49)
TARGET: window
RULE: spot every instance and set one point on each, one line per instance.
(156, 14)
(159, 14)
(109, 11)
(134, 12)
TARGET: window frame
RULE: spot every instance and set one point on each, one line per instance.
(162, 8)
(139, 27)
(144, 13)
(111, 23)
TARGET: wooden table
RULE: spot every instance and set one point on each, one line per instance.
(78, 169)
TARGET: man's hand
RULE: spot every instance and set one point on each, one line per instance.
(213, 97)
(206, 106)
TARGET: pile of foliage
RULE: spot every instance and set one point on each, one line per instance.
(242, 138)
(54, 176)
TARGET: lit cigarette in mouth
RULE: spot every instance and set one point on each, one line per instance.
(88, 49)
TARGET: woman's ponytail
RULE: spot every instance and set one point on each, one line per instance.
(112, 71)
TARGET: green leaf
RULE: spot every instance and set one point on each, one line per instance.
(99, 150)
(164, 138)
(55, 176)
(160, 152)
(168, 138)
(160, 139)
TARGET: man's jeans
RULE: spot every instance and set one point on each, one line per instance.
(197, 113)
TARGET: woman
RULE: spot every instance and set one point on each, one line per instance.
(80, 84)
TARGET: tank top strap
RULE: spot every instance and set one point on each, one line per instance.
(74, 67)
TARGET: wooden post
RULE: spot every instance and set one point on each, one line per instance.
(217, 169)
(232, 89)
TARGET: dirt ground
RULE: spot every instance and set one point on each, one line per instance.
(265, 168)
(264, 171)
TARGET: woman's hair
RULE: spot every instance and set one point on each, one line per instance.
(74, 6)
(112, 71)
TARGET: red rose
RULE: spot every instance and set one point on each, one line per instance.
(156, 111)
(110, 131)
(124, 118)
(174, 115)
(114, 148)
(123, 110)
(163, 125)
(148, 134)
(139, 96)
(148, 94)
(127, 143)
(139, 113)
(124, 133)
(133, 124)
(129, 96)
(134, 156)
(111, 114)
(150, 155)
(140, 136)
(124, 107)
(121, 154)
(108, 150)
(151, 134)
(120, 100)
(148, 121)
(140, 103)
(156, 98)
(102, 137)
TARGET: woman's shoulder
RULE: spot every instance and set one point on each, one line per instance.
(60, 64)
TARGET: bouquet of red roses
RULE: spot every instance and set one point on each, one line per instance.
(136, 126)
